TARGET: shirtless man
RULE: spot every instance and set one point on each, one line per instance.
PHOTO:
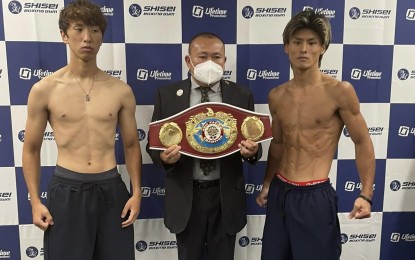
(89, 212)
(309, 113)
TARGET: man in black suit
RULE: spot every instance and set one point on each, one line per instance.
(204, 208)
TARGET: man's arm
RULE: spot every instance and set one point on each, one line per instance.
(37, 116)
(128, 128)
(274, 152)
(365, 157)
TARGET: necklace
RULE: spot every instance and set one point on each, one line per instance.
(87, 96)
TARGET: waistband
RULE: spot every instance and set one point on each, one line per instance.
(205, 184)
(67, 176)
(320, 184)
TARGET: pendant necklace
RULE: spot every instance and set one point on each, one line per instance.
(87, 96)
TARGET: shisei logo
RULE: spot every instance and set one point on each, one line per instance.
(26, 73)
(227, 74)
(331, 72)
(5, 254)
(213, 12)
(362, 237)
(251, 188)
(47, 136)
(1, 138)
(244, 241)
(395, 185)
(252, 74)
(398, 237)
(32, 252)
(326, 12)
(5, 196)
(404, 131)
(352, 186)
(248, 12)
(153, 10)
(344, 238)
(354, 13)
(404, 74)
(368, 74)
(114, 73)
(373, 130)
(141, 246)
(107, 11)
(410, 14)
(143, 74)
(15, 7)
(141, 134)
(135, 10)
(21, 135)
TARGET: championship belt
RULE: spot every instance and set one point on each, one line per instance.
(209, 130)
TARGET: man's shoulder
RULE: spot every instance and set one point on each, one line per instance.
(49, 81)
(234, 86)
(174, 85)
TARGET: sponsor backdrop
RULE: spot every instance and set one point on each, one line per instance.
(373, 48)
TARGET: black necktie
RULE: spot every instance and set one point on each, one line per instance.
(206, 165)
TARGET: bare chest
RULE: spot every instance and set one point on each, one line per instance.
(307, 111)
(72, 106)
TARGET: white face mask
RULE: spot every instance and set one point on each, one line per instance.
(207, 72)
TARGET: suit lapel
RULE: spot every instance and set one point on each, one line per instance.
(226, 92)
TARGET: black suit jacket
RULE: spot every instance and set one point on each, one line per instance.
(179, 176)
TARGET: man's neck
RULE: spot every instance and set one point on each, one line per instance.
(83, 69)
(306, 77)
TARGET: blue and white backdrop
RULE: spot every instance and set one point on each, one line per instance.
(373, 48)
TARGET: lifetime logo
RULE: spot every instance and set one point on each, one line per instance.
(5, 254)
(326, 12)
(404, 131)
(357, 74)
(251, 188)
(397, 237)
(410, 14)
(214, 12)
(352, 186)
(107, 11)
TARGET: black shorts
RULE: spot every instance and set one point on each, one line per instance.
(301, 222)
(86, 210)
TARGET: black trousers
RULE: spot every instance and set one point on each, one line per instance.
(87, 217)
(205, 232)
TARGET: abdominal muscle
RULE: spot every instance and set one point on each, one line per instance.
(86, 146)
(308, 155)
